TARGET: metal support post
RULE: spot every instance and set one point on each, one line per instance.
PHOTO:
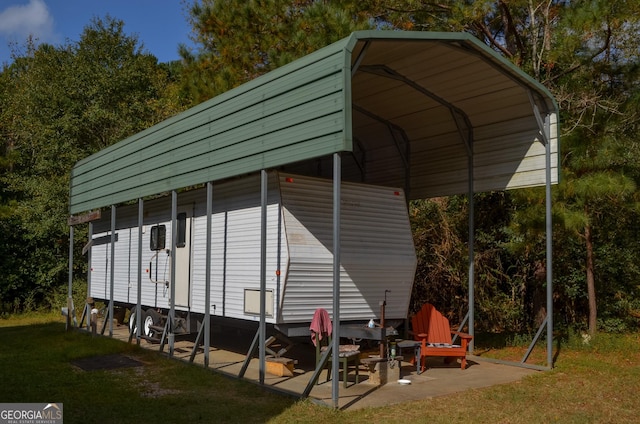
(247, 359)
(166, 335)
(263, 271)
(172, 300)
(472, 282)
(197, 343)
(70, 288)
(207, 292)
(549, 237)
(335, 363)
(113, 268)
(90, 237)
(535, 340)
(139, 296)
(108, 317)
(319, 367)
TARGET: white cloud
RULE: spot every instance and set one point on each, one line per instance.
(20, 21)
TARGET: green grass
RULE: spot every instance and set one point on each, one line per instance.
(35, 365)
(594, 383)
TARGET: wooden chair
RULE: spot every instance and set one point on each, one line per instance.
(349, 354)
(321, 329)
(432, 329)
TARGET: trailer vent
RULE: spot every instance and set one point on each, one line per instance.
(252, 302)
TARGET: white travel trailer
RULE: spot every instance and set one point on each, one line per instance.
(378, 257)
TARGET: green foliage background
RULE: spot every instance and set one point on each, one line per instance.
(61, 104)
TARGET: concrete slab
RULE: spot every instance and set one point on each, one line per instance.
(228, 353)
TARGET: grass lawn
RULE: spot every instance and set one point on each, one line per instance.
(594, 383)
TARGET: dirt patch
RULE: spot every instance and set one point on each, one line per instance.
(152, 389)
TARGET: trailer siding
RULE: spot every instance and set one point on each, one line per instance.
(235, 255)
(377, 255)
(126, 276)
(377, 252)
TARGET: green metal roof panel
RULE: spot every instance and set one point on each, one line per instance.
(275, 119)
(396, 106)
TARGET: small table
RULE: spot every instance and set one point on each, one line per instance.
(406, 344)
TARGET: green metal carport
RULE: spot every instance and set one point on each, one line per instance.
(436, 113)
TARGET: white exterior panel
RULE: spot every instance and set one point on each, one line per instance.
(125, 289)
(377, 254)
(100, 271)
(235, 250)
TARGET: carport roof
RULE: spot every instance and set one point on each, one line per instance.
(419, 110)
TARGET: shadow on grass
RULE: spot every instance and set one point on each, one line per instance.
(36, 364)
(513, 347)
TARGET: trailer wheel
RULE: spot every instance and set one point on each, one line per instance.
(133, 325)
(151, 318)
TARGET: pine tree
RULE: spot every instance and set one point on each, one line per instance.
(242, 39)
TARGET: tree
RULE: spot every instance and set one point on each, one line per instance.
(594, 83)
(59, 105)
(240, 40)
(441, 255)
(586, 53)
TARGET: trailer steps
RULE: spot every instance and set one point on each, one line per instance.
(278, 344)
(281, 367)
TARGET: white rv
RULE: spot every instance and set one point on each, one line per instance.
(377, 254)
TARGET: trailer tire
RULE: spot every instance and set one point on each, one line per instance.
(151, 317)
(133, 325)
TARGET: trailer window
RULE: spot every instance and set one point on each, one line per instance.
(182, 230)
(158, 237)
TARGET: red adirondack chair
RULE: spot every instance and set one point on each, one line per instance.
(432, 329)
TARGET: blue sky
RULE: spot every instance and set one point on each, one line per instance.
(161, 25)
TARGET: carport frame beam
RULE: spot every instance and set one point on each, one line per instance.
(544, 126)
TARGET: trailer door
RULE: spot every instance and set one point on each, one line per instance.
(183, 259)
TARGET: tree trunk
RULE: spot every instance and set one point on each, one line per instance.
(591, 284)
